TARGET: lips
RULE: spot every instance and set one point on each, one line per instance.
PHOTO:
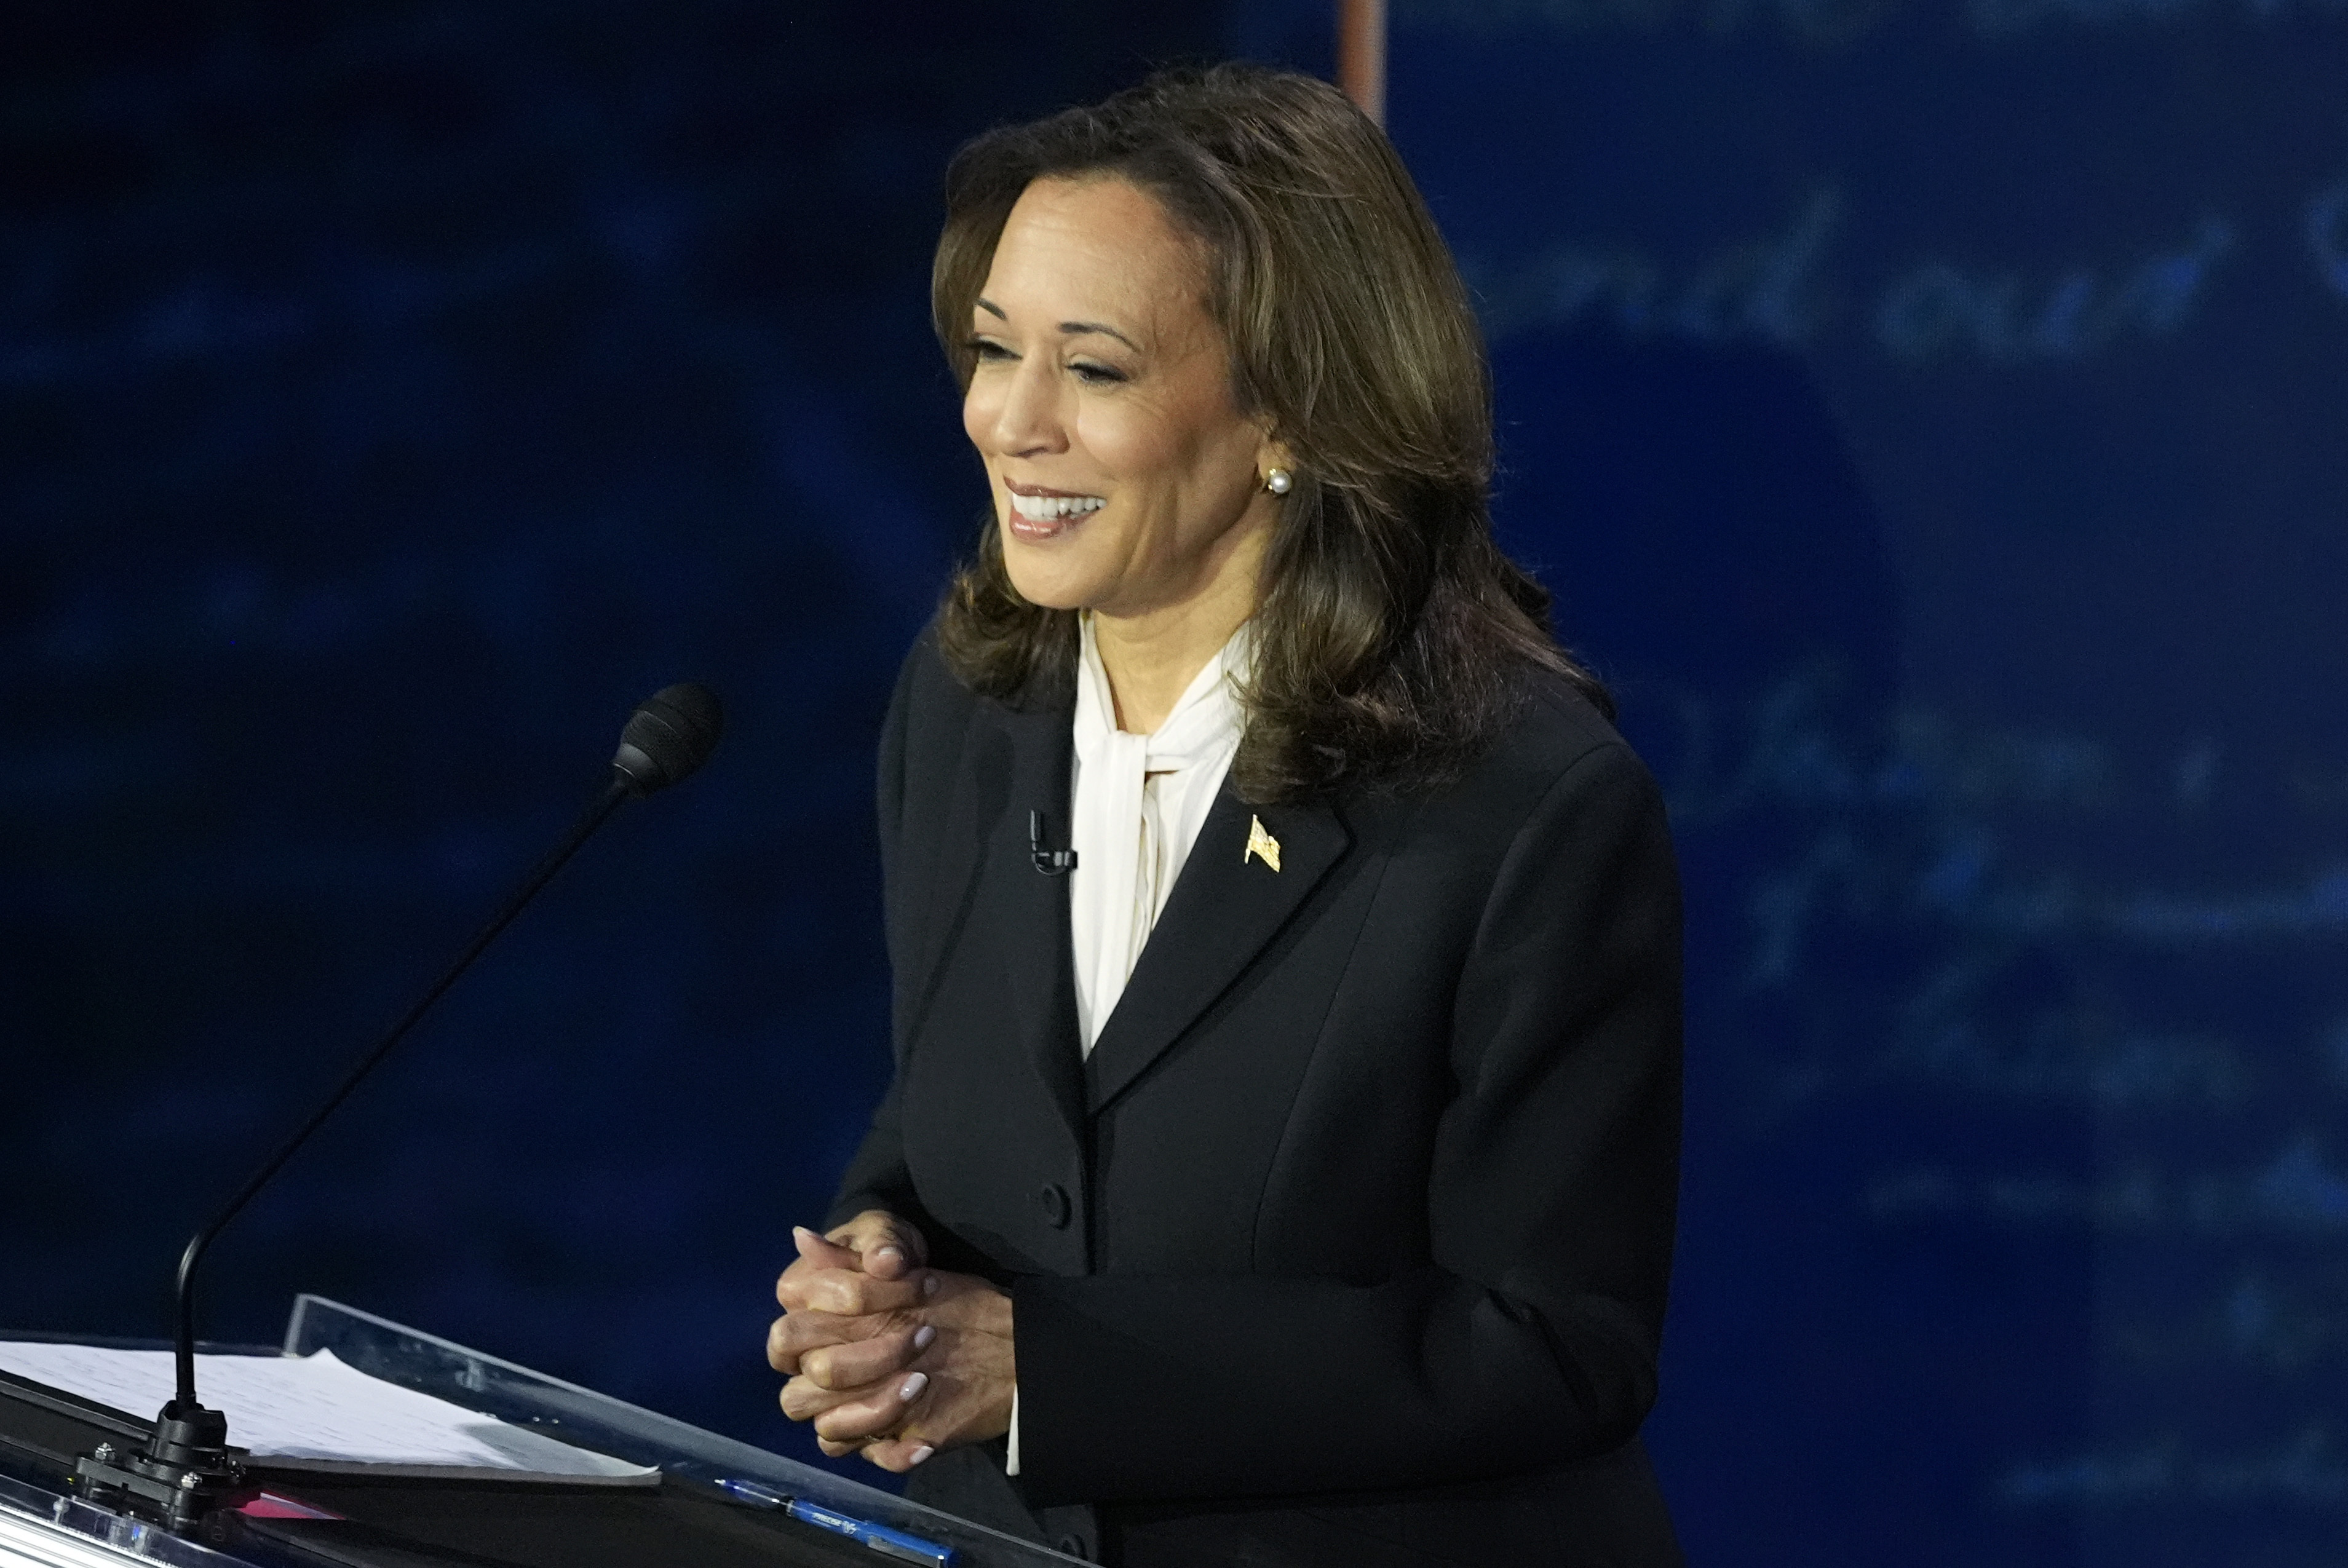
(1037, 514)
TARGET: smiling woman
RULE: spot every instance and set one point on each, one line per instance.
(1267, 229)
(1286, 1175)
(1129, 482)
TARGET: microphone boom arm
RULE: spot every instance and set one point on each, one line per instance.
(188, 1469)
(184, 1342)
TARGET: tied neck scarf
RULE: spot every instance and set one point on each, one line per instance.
(1138, 803)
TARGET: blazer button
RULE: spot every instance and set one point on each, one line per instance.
(1055, 1200)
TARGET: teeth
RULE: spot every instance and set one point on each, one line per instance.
(1044, 508)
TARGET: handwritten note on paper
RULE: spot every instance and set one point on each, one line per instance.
(314, 1412)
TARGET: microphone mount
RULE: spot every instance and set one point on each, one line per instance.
(1049, 862)
(187, 1468)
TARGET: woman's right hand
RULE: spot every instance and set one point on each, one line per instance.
(886, 1247)
(848, 1304)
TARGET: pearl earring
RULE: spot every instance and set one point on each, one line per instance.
(1279, 481)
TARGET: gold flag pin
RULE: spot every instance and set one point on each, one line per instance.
(1260, 845)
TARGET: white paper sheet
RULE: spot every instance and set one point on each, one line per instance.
(314, 1412)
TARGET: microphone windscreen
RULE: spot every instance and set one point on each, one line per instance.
(671, 734)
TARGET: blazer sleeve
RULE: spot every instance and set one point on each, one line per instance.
(877, 1177)
(1529, 1338)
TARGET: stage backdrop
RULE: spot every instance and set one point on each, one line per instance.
(1932, 418)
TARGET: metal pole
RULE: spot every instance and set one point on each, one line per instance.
(1362, 54)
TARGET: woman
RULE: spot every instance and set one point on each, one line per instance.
(1280, 1158)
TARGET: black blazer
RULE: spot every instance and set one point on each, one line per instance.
(1349, 1241)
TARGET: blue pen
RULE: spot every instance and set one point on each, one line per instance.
(751, 1491)
(888, 1543)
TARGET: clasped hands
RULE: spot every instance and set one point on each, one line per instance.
(885, 1354)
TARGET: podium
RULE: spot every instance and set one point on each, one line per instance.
(717, 1503)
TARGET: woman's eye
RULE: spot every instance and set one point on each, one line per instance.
(1095, 375)
(986, 348)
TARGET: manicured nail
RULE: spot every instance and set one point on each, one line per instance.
(891, 1251)
(802, 1234)
(918, 1455)
(929, 1284)
(911, 1388)
(925, 1335)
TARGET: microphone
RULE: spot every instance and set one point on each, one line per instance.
(1050, 863)
(668, 737)
(187, 1468)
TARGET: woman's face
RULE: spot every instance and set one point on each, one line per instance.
(1125, 479)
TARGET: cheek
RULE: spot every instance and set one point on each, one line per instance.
(1191, 473)
(1133, 444)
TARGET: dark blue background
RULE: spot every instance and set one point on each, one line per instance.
(1931, 416)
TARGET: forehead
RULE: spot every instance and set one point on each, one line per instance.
(1099, 249)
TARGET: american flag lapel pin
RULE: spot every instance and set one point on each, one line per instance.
(1262, 845)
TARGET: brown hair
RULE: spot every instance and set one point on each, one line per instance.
(1391, 635)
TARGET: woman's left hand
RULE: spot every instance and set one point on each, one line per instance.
(956, 1390)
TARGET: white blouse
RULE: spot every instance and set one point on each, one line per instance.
(1138, 802)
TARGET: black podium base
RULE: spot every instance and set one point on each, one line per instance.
(404, 1523)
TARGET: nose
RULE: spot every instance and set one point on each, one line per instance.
(1028, 422)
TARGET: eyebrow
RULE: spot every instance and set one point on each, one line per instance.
(1071, 328)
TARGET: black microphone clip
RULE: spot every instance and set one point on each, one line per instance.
(187, 1471)
(1051, 862)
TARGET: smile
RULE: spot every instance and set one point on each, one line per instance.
(1050, 507)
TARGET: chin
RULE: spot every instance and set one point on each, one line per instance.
(1045, 583)
(1049, 595)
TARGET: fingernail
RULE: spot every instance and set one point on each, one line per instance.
(911, 1388)
(888, 1251)
(923, 1336)
(800, 1232)
(918, 1455)
(929, 1284)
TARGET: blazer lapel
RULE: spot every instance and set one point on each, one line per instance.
(1027, 911)
(1225, 907)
